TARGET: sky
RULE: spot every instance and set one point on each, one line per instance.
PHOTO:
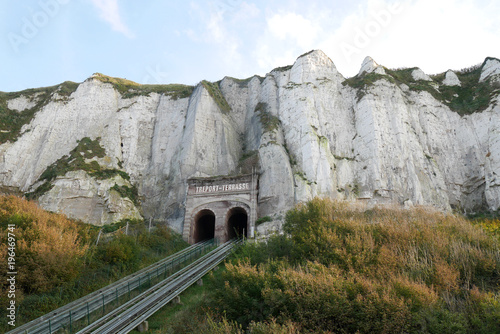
(47, 42)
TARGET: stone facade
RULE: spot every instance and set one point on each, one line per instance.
(220, 207)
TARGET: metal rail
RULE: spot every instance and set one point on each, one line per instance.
(78, 309)
(130, 315)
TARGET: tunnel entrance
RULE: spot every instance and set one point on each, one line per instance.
(237, 223)
(221, 207)
(204, 228)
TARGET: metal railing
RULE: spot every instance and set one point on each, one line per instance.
(128, 316)
(82, 308)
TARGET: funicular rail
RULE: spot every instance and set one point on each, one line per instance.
(81, 308)
(127, 317)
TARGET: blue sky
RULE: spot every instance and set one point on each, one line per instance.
(46, 42)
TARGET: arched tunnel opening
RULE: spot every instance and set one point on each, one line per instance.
(237, 223)
(204, 228)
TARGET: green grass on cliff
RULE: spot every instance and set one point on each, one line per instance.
(76, 160)
(269, 122)
(128, 88)
(216, 94)
(12, 121)
(472, 96)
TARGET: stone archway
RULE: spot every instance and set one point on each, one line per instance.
(222, 207)
(204, 225)
(237, 223)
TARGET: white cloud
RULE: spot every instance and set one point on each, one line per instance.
(109, 12)
(293, 26)
(215, 35)
(433, 35)
(286, 36)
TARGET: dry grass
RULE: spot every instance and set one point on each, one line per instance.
(381, 270)
(49, 247)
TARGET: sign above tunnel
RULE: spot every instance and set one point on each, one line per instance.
(221, 185)
(223, 188)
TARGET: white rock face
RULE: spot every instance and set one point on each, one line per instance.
(492, 161)
(491, 68)
(451, 79)
(21, 103)
(369, 65)
(314, 135)
(81, 197)
(418, 74)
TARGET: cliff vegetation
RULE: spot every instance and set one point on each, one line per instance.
(78, 159)
(12, 121)
(129, 89)
(472, 95)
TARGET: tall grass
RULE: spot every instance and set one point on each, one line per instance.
(57, 259)
(385, 270)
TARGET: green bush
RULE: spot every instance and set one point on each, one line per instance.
(263, 220)
(128, 192)
(121, 249)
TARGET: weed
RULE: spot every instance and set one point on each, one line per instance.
(129, 89)
(128, 192)
(216, 94)
(269, 122)
(263, 220)
(77, 160)
(57, 259)
(12, 121)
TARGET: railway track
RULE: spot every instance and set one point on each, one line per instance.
(83, 307)
(130, 315)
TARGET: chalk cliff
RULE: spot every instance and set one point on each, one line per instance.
(382, 136)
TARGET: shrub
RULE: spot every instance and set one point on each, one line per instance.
(128, 192)
(263, 220)
(384, 270)
(216, 94)
(57, 260)
(120, 250)
(49, 246)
